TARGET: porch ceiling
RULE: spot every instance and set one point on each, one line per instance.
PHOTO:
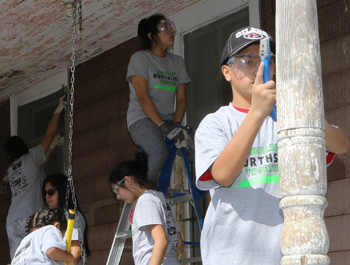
(35, 35)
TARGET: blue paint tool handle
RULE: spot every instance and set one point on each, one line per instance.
(265, 55)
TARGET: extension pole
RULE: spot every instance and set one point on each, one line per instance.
(70, 225)
(301, 125)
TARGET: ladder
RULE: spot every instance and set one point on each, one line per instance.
(192, 195)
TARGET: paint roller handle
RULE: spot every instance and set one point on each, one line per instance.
(70, 225)
(265, 55)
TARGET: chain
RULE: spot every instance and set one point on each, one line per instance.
(70, 186)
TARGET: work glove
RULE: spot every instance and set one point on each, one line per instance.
(174, 133)
(62, 105)
(56, 140)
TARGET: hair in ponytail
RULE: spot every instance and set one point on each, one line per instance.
(149, 25)
(47, 215)
(136, 168)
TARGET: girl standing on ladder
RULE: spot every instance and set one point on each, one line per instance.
(54, 192)
(155, 234)
(155, 78)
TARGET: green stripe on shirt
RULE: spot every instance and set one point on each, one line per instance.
(258, 180)
(170, 88)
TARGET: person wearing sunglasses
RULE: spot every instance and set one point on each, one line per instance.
(25, 175)
(54, 194)
(157, 82)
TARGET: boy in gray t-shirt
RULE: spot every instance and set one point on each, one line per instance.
(236, 159)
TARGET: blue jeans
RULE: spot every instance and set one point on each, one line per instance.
(15, 233)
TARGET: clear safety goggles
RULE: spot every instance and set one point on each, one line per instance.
(248, 63)
(116, 186)
(165, 26)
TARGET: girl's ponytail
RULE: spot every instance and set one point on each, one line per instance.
(47, 215)
(149, 25)
(136, 168)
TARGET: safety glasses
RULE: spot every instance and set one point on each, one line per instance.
(165, 26)
(50, 192)
(116, 186)
(248, 63)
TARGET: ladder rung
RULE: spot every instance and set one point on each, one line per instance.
(189, 260)
(178, 191)
(123, 234)
(180, 199)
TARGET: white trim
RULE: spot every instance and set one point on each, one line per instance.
(254, 13)
(40, 90)
(207, 12)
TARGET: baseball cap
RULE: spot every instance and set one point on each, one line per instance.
(242, 38)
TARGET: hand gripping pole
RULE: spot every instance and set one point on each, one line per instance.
(70, 225)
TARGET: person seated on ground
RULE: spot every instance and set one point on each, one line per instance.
(44, 242)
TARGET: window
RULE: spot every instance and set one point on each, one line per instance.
(208, 90)
(31, 112)
(33, 119)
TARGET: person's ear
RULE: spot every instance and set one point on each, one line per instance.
(57, 225)
(226, 71)
(150, 36)
(128, 180)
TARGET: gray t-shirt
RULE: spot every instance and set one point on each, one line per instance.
(78, 229)
(152, 209)
(243, 223)
(163, 75)
(26, 176)
(34, 246)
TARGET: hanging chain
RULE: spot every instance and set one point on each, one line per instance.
(70, 186)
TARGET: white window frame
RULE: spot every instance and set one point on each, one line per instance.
(203, 14)
(38, 91)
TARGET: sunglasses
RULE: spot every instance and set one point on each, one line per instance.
(116, 186)
(50, 192)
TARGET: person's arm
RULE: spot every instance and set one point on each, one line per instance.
(180, 242)
(61, 255)
(2, 183)
(336, 140)
(180, 103)
(76, 250)
(160, 244)
(230, 162)
(141, 88)
(53, 126)
(55, 141)
(4, 180)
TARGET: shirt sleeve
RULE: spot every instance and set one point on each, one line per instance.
(210, 141)
(52, 238)
(79, 224)
(138, 65)
(183, 76)
(38, 155)
(150, 212)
